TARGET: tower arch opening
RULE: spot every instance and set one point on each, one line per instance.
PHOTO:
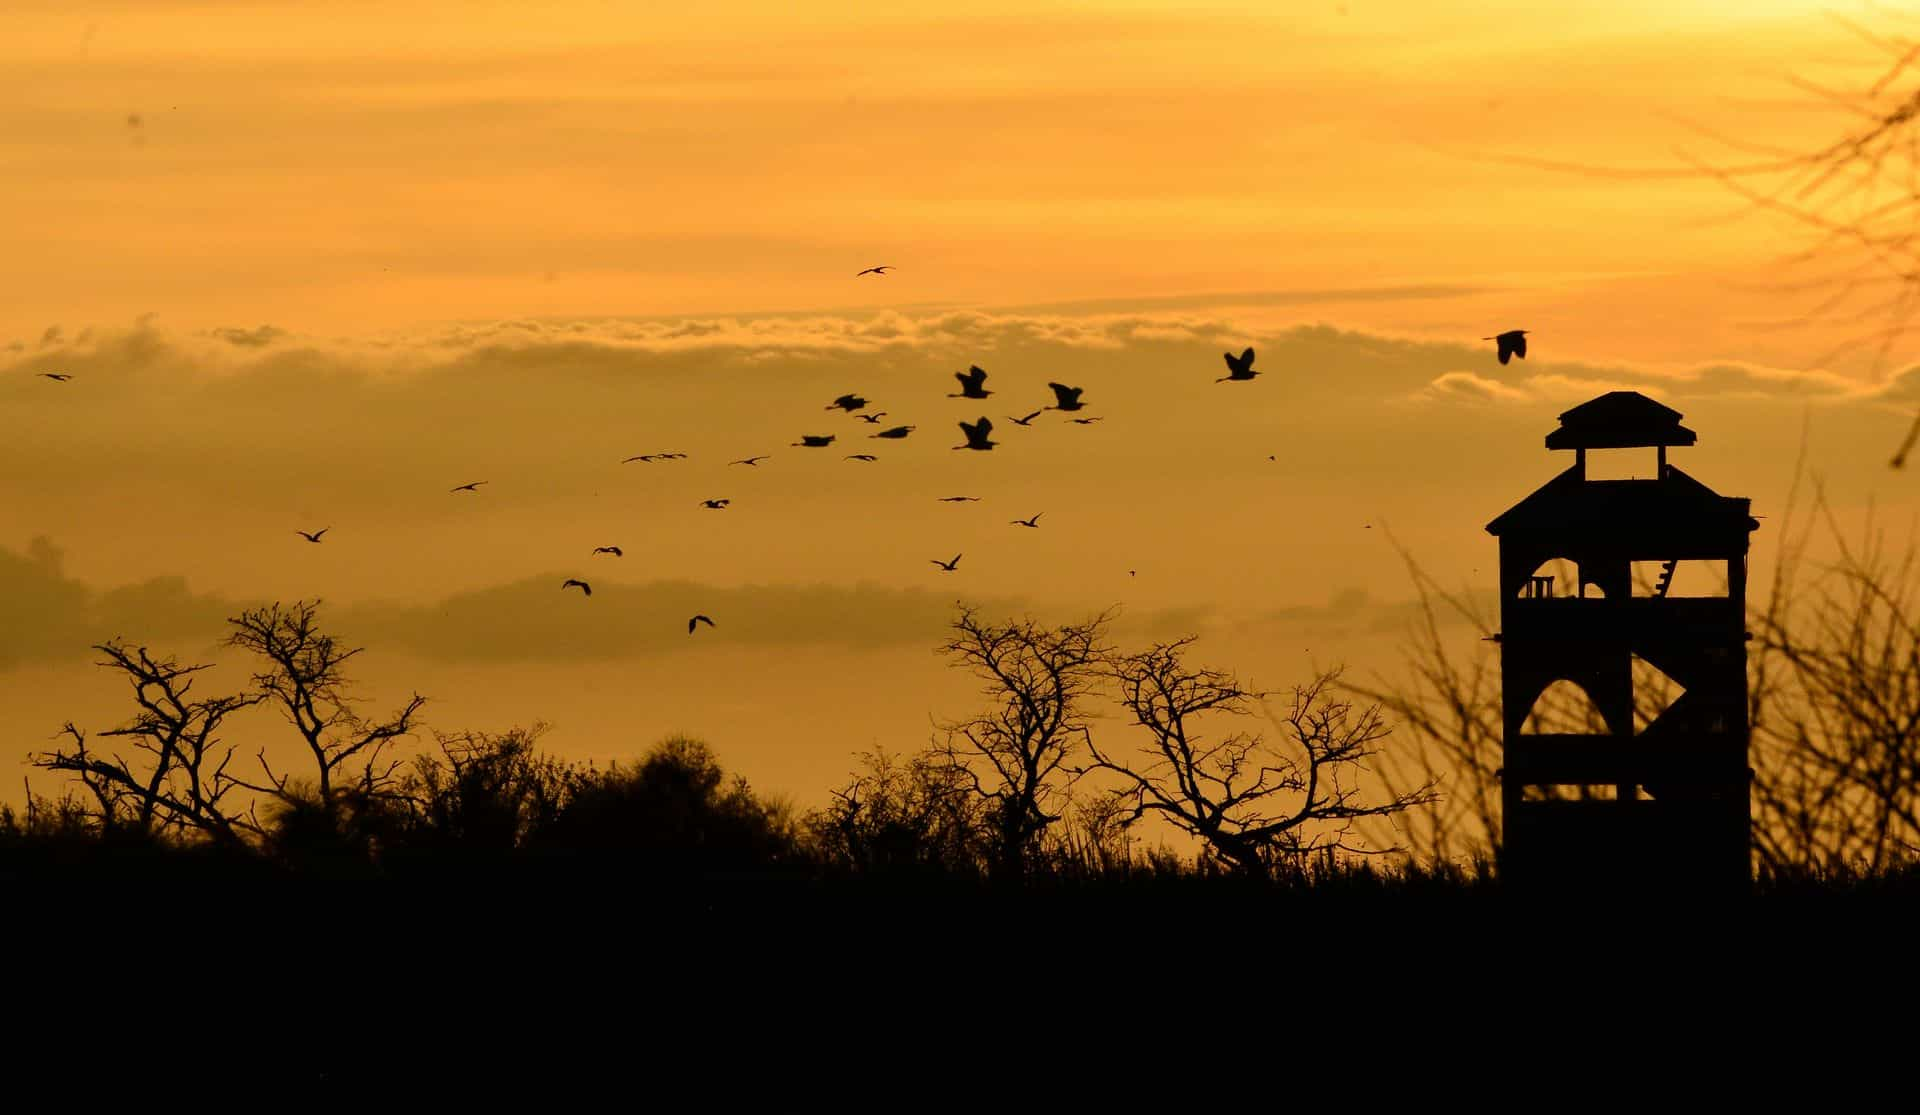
(1564, 707)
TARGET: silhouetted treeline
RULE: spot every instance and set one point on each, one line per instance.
(1017, 794)
(494, 806)
(1271, 797)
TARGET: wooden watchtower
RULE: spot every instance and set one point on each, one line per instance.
(1666, 802)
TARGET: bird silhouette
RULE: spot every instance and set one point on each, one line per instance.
(708, 620)
(1085, 421)
(815, 441)
(880, 270)
(959, 499)
(895, 432)
(948, 565)
(1512, 343)
(1069, 397)
(872, 419)
(57, 377)
(315, 536)
(614, 550)
(644, 458)
(970, 383)
(473, 487)
(573, 583)
(848, 403)
(1033, 522)
(861, 457)
(715, 504)
(977, 434)
(754, 461)
(1239, 368)
(672, 456)
(1027, 421)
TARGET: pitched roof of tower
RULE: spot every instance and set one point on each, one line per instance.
(1619, 420)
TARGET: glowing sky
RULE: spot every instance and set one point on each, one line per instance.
(360, 165)
(311, 265)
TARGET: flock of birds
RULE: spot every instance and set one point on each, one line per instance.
(978, 437)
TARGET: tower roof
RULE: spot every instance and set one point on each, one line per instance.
(1676, 506)
(1619, 420)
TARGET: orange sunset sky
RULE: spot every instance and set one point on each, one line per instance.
(312, 265)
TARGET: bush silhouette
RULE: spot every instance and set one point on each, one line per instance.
(676, 811)
(917, 816)
(483, 797)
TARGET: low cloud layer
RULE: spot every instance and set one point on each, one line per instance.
(182, 464)
(1522, 387)
(47, 616)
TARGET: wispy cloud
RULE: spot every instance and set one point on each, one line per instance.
(1472, 387)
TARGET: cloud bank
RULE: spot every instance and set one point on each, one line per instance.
(190, 459)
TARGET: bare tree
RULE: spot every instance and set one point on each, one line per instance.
(1448, 699)
(1857, 195)
(1448, 703)
(1017, 756)
(306, 680)
(1837, 783)
(177, 779)
(1258, 803)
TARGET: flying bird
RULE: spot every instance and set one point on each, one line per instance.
(1069, 397)
(572, 583)
(1027, 421)
(754, 461)
(970, 383)
(895, 432)
(57, 377)
(861, 457)
(947, 565)
(873, 418)
(1239, 368)
(959, 499)
(880, 270)
(698, 620)
(315, 536)
(848, 403)
(977, 434)
(614, 550)
(715, 504)
(1033, 522)
(644, 458)
(1085, 421)
(473, 487)
(815, 441)
(1512, 343)
(672, 456)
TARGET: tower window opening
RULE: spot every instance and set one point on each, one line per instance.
(1623, 464)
